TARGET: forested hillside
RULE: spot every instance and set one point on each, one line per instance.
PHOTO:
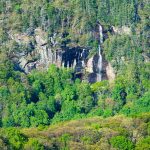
(75, 74)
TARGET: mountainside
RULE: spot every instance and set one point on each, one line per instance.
(86, 60)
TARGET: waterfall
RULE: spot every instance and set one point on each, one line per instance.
(99, 74)
(68, 65)
(63, 65)
(74, 63)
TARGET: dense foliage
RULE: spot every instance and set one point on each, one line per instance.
(87, 134)
(43, 98)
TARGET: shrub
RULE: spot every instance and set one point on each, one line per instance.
(121, 143)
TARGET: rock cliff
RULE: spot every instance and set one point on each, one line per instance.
(41, 51)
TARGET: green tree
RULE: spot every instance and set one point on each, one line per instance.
(143, 144)
(33, 144)
(122, 143)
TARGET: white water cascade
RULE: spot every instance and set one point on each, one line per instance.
(99, 74)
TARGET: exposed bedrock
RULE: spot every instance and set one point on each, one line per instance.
(44, 52)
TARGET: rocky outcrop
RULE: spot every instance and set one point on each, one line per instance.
(41, 53)
(122, 30)
(146, 57)
(110, 72)
(89, 66)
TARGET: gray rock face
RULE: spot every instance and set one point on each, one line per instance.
(89, 66)
(110, 72)
(122, 30)
(50, 52)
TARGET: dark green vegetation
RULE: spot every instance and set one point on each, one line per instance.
(45, 98)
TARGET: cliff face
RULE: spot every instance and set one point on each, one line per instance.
(42, 52)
